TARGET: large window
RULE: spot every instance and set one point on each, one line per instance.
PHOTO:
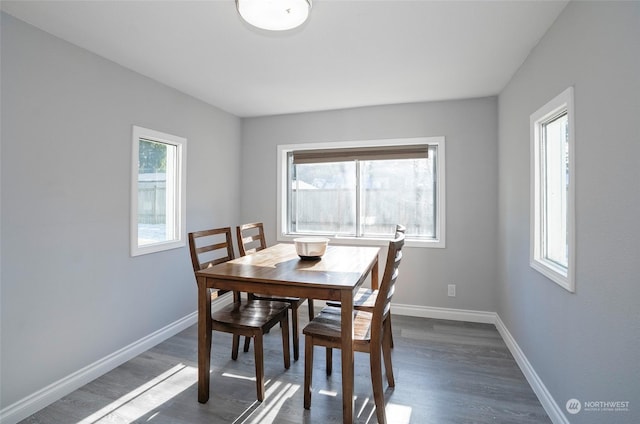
(361, 190)
(552, 188)
(157, 192)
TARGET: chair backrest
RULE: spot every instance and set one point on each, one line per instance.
(210, 247)
(250, 238)
(387, 286)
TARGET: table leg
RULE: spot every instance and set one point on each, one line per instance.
(204, 340)
(347, 356)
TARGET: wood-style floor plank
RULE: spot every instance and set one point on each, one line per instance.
(446, 372)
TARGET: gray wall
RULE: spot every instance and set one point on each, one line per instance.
(584, 345)
(70, 292)
(470, 128)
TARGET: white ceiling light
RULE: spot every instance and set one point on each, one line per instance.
(274, 15)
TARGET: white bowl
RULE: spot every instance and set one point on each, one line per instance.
(311, 247)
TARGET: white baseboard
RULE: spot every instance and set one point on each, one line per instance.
(44, 397)
(548, 402)
(444, 313)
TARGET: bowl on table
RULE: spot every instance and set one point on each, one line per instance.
(311, 248)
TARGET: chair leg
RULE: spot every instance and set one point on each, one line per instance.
(296, 333)
(311, 310)
(259, 360)
(285, 341)
(235, 346)
(247, 343)
(376, 382)
(308, 370)
(387, 343)
(390, 332)
(329, 360)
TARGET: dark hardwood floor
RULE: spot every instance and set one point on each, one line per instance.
(446, 372)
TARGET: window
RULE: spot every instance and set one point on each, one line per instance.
(552, 190)
(359, 191)
(157, 191)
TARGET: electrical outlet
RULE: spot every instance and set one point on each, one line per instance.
(451, 290)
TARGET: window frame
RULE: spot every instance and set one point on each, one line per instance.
(564, 277)
(440, 224)
(179, 186)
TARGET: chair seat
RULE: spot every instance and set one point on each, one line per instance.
(291, 300)
(364, 299)
(250, 314)
(327, 324)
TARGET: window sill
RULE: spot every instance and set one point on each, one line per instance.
(156, 247)
(358, 241)
(554, 273)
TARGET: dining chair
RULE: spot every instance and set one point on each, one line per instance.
(371, 332)
(365, 298)
(250, 240)
(249, 318)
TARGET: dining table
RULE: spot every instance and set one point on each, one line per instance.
(278, 270)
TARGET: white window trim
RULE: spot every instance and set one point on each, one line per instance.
(180, 188)
(563, 277)
(438, 242)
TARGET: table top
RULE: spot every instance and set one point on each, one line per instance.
(340, 267)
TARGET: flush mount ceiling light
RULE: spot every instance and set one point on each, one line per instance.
(274, 15)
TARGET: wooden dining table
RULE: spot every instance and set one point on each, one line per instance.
(277, 270)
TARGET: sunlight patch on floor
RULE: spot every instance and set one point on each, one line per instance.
(239, 377)
(331, 393)
(365, 402)
(398, 414)
(275, 397)
(147, 397)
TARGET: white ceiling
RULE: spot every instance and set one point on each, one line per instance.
(349, 54)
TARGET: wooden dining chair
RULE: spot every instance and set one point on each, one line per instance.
(371, 332)
(250, 240)
(249, 318)
(365, 298)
